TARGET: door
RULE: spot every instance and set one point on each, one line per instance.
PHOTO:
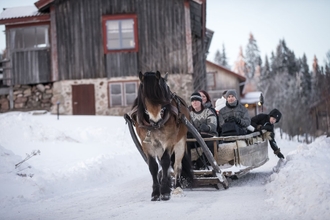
(83, 99)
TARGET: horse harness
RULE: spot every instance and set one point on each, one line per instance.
(175, 110)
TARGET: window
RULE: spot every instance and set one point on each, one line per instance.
(119, 33)
(32, 37)
(210, 80)
(122, 93)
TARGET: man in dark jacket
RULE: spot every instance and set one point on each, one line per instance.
(266, 122)
(234, 117)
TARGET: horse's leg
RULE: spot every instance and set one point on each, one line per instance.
(153, 168)
(165, 187)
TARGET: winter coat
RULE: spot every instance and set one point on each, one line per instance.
(238, 111)
(261, 121)
(206, 116)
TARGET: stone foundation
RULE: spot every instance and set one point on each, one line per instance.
(28, 97)
(62, 93)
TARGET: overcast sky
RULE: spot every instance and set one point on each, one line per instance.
(304, 24)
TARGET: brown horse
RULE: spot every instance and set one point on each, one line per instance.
(157, 117)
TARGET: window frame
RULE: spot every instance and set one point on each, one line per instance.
(15, 27)
(211, 84)
(120, 17)
(123, 93)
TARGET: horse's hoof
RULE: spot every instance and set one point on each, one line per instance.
(155, 198)
(165, 197)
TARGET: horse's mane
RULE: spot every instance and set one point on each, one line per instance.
(155, 90)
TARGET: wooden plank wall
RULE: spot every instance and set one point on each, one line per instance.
(79, 39)
(30, 67)
(161, 40)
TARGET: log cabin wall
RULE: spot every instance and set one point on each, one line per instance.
(161, 39)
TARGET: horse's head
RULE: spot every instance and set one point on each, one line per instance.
(154, 96)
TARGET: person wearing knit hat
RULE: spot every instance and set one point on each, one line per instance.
(234, 117)
(196, 97)
(275, 114)
(203, 119)
(231, 92)
(266, 122)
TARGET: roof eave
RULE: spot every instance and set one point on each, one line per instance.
(241, 78)
(24, 20)
(41, 4)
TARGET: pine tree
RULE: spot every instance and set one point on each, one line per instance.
(305, 81)
(265, 70)
(316, 81)
(285, 60)
(221, 58)
(252, 57)
(218, 57)
(327, 73)
(264, 75)
(224, 57)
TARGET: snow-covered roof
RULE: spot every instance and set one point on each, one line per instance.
(19, 12)
(251, 97)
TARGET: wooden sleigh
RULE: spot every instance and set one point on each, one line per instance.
(235, 156)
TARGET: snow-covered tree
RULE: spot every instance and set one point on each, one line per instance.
(218, 57)
(304, 81)
(221, 58)
(252, 57)
(316, 81)
(265, 71)
(264, 75)
(327, 72)
(224, 57)
(285, 60)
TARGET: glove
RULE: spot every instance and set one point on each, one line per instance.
(266, 127)
(230, 119)
(278, 153)
(204, 128)
(237, 120)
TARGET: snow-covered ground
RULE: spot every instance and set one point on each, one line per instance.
(89, 168)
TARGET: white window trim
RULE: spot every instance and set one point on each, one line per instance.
(123, 92)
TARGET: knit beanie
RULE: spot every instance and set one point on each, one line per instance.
(196, 96)
(231, 92)
(276, 114)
